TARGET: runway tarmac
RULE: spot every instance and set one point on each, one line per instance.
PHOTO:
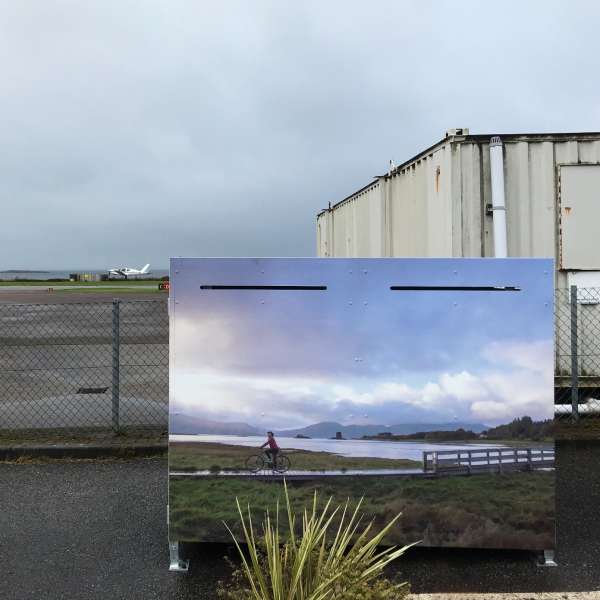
(75, 286)
(51, 351)
(81, 411)
(41, 295)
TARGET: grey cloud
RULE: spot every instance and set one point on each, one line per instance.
(133, 132)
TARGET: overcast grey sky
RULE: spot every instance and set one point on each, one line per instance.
(135, 131)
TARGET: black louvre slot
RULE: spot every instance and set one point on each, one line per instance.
(454, 288)
(264, 287)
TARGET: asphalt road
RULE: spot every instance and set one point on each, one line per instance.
(87, 530)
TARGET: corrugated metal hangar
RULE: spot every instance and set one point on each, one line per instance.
(518, 195)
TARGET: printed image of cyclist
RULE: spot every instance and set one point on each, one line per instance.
(273, 448)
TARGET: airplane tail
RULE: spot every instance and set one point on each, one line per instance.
(145, 269)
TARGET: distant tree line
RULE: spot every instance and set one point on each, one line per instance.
(524, 428)
(428, 436)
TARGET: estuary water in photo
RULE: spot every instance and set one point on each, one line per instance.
(350, 448)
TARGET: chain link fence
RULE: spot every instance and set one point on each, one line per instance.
(91, 369)
(101, 369)
(577, 362)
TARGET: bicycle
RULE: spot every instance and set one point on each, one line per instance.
(261, 462)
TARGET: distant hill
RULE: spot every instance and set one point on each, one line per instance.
(328, 429)
(186, 425)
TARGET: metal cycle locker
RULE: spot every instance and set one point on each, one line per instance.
(424, 385)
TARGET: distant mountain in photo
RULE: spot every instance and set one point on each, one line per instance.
(182, 424)
(328, 429)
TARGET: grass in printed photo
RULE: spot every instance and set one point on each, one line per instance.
(512, 510)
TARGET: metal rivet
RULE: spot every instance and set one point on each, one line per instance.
(365, 303)
(350, 303)
(365, 271)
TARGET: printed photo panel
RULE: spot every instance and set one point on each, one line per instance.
(423, 385)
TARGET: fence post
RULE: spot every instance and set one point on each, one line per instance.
(574, 357)
(115, 365)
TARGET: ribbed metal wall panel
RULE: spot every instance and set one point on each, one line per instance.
(435, 204)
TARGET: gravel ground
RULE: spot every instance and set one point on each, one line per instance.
(97, 529)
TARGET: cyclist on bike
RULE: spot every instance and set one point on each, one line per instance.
(273, 448)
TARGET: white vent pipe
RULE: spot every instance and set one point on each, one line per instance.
(498, 203)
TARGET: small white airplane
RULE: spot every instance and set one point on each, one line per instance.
(129, 272)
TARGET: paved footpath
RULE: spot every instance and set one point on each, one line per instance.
(521, 596)
(86, 530)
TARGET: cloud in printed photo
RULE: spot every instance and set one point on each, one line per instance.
(289, 361)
